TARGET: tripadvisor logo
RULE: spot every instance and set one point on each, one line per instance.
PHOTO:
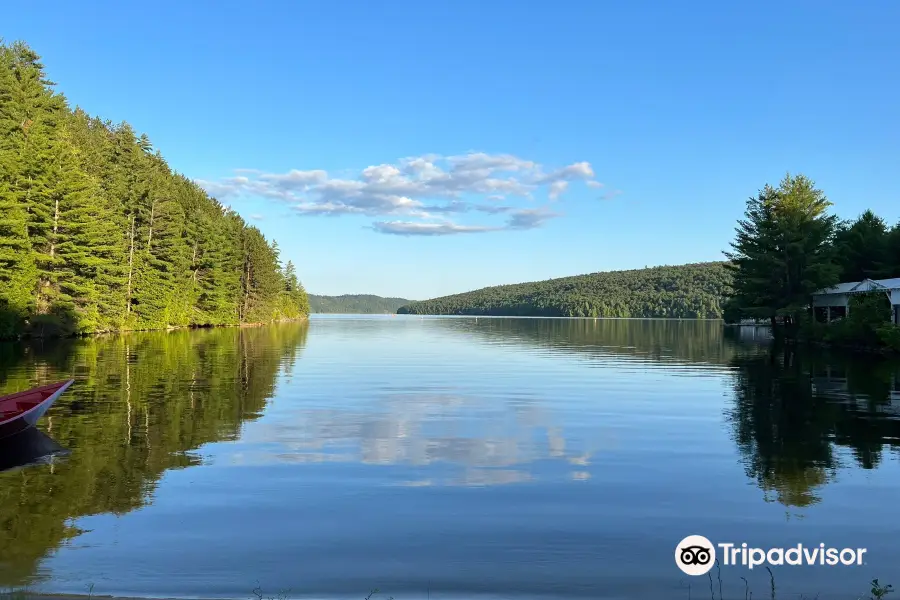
(696, 555)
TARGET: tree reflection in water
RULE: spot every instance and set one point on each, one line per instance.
(141, 404)
(799, 417)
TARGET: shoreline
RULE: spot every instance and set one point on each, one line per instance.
(807, 342)
(25, 337)
(26, 595)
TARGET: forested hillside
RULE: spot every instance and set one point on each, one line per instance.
(686, 291)
(97, 233)
(358, 304)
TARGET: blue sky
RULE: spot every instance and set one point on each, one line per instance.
(508, 140)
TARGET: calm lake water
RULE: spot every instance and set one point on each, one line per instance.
(447, 457)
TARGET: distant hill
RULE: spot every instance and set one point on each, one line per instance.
(684, 291)
(355, 304)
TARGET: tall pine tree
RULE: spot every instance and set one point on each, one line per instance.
(782, 252)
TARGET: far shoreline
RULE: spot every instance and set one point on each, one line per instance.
(94, 334)
(28, 595)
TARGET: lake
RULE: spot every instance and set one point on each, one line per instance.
(447, 458)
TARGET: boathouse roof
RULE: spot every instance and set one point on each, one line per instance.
(866, 285)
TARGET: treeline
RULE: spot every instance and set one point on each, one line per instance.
(358, 304)
(97, 233)
(790, 245)
(685, 291)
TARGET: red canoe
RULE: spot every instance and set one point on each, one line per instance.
(21, 411)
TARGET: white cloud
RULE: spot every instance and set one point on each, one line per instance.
(427, 229)
(611, 194)
(219, 189)
(530, 218)
(527, 218)
(492, 209)
(382, 173)
(416, 188)
(556, 189)
(594, 184)
(295, 179)
(573, 172)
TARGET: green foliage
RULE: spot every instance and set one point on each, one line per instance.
(868, 313)
(731, 310)
(788, 246)
(97, 233)
(879, 590)
(867, 326)
(355, 304)
(862, 248)
(686, 291)
(889, 335)
(782, 252)
(891, 266)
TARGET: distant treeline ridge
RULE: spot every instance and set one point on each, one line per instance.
(355, 304)
(684, 291)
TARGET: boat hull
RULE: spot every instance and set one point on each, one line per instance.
(19, 412)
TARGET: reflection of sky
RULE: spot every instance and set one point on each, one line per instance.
(410, 457)
(383, 393)
(490, 445)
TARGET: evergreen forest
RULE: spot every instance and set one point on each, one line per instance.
(355, 304)
(685, 291)
(98, 233)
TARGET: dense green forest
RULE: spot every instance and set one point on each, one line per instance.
(356, 304)
(790, 244)
(685, 291)
(97, 233)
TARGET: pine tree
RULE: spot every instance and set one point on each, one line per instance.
(861, 247)
(97, 233)
(782, 252)
(18, 275)
(290, 277)
(892, 253)
(261, 282)
(90, 252)
(218, 267)
(162, 260)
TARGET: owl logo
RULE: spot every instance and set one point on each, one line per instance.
(695, 555)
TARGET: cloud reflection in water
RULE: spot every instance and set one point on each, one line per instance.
(483, 444)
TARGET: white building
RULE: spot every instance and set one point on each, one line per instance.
(835, 301)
